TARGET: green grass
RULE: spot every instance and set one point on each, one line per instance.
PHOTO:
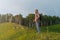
(12, 31)
(55, 28)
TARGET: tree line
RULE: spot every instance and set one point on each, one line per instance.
(28, 20)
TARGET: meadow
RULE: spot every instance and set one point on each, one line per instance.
(13, 31)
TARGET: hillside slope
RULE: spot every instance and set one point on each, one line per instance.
(9, 29)
(12, 31)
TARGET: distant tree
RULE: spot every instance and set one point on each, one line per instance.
(18, 19)
(0, 18)
(30, 19)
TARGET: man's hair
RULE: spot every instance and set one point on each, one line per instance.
(36, 9)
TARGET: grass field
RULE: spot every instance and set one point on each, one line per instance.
(12, 31)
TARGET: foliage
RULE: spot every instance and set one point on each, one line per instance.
(28, 20)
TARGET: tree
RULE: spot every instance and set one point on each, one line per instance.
(18, 19)
(30, 19)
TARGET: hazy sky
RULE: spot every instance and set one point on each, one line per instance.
(49, 7)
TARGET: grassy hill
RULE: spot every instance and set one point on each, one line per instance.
(12, 31)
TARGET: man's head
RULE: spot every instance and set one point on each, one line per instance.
(36, 10)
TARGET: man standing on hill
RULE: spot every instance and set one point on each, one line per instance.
(36, 20)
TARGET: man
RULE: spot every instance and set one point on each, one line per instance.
(36, 20)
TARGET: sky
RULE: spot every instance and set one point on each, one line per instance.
(24, 7)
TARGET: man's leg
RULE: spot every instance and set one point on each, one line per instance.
(37, 26)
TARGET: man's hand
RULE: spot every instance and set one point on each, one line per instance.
(34, 20)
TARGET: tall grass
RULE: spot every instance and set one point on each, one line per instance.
(12, 31)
